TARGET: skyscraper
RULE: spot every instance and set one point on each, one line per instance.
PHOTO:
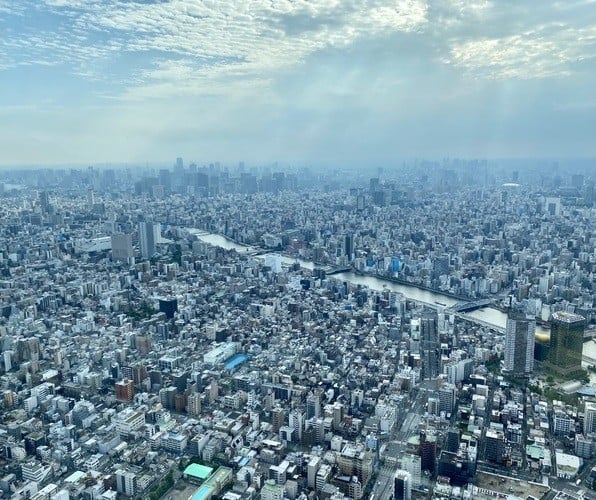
(519, 344)
(44, 202)
(148, 238)
(122, 247)
(566, 341)
(429, 346)
(402, 485)
(349, 246)
(428, 451)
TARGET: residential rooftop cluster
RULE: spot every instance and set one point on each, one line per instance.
(140, 361)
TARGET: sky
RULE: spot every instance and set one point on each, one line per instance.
(295, 81)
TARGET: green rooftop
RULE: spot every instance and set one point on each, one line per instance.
(198, 471)
(535, 452)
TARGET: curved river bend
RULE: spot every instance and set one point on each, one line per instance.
(487, 315)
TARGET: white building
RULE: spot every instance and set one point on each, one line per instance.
(128, 421)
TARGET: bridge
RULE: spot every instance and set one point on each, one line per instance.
(461, 307)
(337, 270)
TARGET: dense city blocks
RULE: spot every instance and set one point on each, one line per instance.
(203, 332)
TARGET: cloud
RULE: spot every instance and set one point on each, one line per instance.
(220, 41)
(202, 47)
(550, 51)
(306, 78)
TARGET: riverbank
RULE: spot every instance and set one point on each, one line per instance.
(487, 316)
(401, 281)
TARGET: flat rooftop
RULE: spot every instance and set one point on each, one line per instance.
(198, 471)
(567, 317)
(510, 486)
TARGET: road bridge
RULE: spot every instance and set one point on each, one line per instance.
(461, 307)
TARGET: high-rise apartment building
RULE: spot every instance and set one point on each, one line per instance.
(125, 390)
(122, 247)
(430, 346)
(148, 238)
(519, 344)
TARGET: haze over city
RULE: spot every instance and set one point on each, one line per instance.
(297, 250)
(313, 82)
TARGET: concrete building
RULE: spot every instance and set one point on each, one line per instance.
(519, 344)
(122, 249)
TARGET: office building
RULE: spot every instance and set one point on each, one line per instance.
(169, 307)
(428, 452)
(566, 342)
(495, 446)
(447, 398)
(457, 467)
(402, 485)
(413, 464)
(519, 344)
(148, 238)
(122, 247)
(349, 246)
(452, 440)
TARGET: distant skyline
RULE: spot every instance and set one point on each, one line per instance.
(322, 81)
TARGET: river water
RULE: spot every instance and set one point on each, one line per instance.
(487, 315)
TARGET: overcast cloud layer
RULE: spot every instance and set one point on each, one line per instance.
(297, 81)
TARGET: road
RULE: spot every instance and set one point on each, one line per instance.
(383, 487)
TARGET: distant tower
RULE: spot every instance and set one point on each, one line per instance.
(147, 240)
(122, 247)
(519, 344)
(349, 246)
(90, 198)
(566, 341)
(402, 485)
(44, 202)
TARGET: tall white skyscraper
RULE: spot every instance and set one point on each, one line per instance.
(519, 344)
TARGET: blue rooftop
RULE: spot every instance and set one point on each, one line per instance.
(235, 361)
(202, 492)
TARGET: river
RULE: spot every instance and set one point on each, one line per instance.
(486, 315)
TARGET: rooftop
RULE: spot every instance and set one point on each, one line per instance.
(198, 471)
